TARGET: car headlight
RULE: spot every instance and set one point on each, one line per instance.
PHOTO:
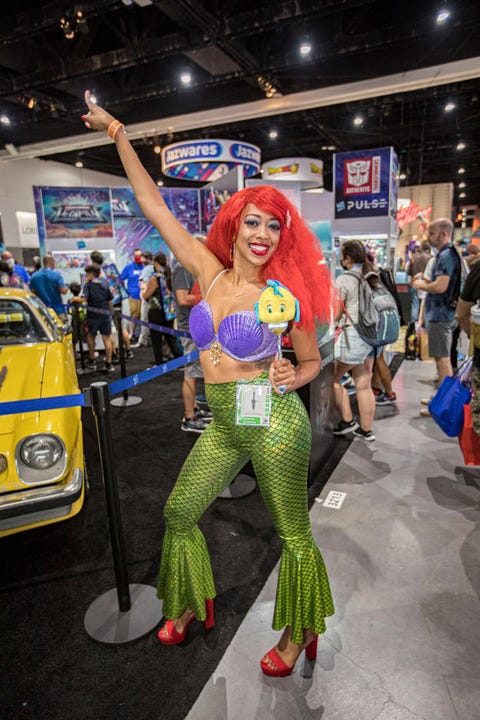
(41, 451)
(40, 458)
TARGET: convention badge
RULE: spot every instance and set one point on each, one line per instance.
(254, 405)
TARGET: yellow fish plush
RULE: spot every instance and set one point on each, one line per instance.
(276, 307)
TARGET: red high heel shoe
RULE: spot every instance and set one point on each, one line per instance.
(281, 669)
(174, 637)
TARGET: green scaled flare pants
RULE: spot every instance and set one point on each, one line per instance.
(280, 455)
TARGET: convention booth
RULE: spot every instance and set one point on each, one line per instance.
(365, 184)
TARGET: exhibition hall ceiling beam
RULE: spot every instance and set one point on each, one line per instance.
(350, 92)
(37, 21)
(203, 31)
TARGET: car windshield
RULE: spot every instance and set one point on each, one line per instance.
(18, 324)
(44, 312)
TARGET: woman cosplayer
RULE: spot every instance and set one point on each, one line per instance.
(258, 235)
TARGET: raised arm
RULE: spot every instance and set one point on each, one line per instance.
(199, 261)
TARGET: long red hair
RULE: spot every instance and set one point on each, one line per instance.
(298, 261)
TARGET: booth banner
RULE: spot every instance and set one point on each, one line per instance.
(363, 183)
(307, 171)
(202, 160)
(75, 212)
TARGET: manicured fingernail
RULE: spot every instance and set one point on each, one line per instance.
(84, 117)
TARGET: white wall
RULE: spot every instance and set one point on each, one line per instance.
(17, 178)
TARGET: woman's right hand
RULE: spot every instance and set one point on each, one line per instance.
(96, 118)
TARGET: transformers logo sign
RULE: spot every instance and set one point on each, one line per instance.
(361, 175)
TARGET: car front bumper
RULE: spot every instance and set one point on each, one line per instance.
(37, 505)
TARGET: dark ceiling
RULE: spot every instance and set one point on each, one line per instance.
(131, 58)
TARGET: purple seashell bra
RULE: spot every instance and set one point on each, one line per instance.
(239, 335)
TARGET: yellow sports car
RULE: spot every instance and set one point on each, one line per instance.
(42, 476)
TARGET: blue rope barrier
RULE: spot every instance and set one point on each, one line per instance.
(160, 328)
(34, 405)
(126, 383)
(152, 326)
(82, 399)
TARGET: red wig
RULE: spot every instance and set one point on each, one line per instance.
(298, 261)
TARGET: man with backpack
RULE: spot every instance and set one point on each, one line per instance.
(442, 295)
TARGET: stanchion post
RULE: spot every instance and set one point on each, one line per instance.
(121, 347)
(77, 326)
(101, 410)
(127, 612)
(124, 401)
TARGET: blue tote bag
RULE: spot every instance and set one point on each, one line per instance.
(446, 407)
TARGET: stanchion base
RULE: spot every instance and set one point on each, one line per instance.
(130, 400)
(104, 622)
(239, 487)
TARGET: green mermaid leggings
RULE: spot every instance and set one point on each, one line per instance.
(280, 456)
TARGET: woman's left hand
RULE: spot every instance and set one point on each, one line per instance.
(97, 118)
(282, 375)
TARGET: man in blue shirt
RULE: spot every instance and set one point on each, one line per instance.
(442, 295)
(19, 270)
(131, 273)
(49, 285)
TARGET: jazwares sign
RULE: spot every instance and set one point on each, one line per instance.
(365, 183)
(203, 160)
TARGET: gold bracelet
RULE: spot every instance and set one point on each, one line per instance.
(114, 127)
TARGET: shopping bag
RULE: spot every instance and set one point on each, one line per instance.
(468, 439)
(422, 344)
(446, 406)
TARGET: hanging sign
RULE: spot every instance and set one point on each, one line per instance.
(365, 181)
(203, 160)
(306, 171)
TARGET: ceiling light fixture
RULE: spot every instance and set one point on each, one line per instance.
(160, 183)
(186, 78)
(462, 185)
(5, 119)
(450, 106)
(31, 102)
(157, 149)
(273, 134)
(358, 120)
(461, 146)
(79, 164)
(462, 195)
(268, 88)
(442, 16)
(305, 49)
(461, 170)
(402, 176)
(68, 27)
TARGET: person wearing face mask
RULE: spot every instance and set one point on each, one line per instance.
(131, 274)
(16, 268)
(8, 278)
